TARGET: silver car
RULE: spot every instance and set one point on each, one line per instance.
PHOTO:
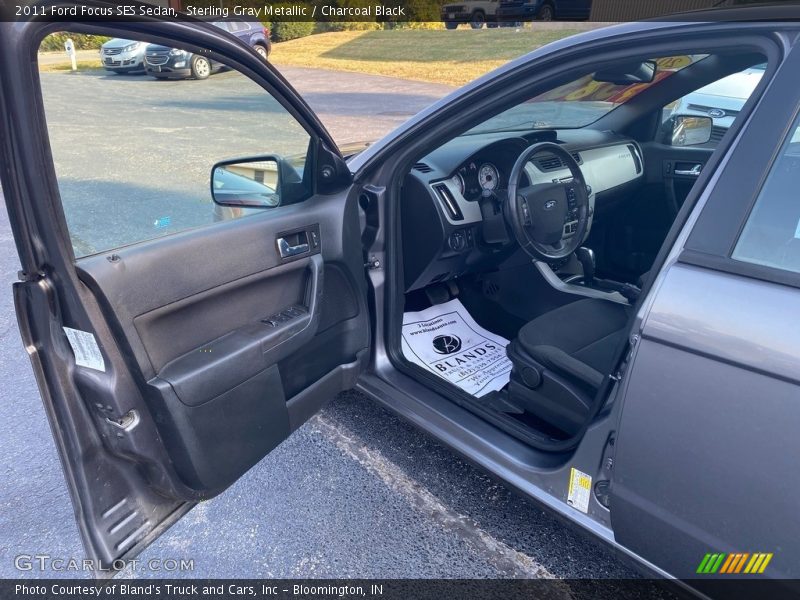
(123, 56)
(721, 100)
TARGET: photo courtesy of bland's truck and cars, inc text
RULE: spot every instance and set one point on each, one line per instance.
(399, 299)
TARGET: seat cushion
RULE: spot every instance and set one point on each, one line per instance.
(579, 340)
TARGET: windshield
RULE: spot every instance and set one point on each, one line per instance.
(579, 102)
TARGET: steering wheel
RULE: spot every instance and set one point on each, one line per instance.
(548, 220)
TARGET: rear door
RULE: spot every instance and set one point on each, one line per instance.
(708, 431)
(175, 341)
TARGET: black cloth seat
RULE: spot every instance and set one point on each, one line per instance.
(579, 340)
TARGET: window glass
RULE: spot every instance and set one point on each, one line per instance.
(721, 100)
(771, 236)
(133, 154)
(582, 101)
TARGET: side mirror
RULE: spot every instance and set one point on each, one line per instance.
(247, 182)
(688, 130)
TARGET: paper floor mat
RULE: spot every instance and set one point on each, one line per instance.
(446, 340)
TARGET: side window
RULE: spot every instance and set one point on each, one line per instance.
(135, 135)
(721, 101)
(771, 236)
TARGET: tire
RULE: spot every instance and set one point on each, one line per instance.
(201, 68)
(546, 13)
(450, 24)
(477, 20)
(262, 51)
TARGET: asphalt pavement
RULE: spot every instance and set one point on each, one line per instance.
(356, 492)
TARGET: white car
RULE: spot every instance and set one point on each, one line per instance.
(474, 12)
(123, 56)
(721, 100)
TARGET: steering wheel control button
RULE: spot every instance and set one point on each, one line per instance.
(526, 212)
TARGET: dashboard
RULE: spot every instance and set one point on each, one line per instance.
(448, 231)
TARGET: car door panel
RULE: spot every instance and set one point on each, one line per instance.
(208, 342)
(711, 402)
(196, 325)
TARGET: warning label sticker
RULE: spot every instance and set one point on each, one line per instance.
(87, 352)
(445, 340)
(580, 487)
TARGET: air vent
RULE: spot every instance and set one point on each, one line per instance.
(448, 202)
(577, 158)
(637, 160)
(422, 167)
(717, 133)
(549, 163)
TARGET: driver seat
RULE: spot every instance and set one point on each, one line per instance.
(561, 358)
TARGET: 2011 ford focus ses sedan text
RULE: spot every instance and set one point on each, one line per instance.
(551, 270)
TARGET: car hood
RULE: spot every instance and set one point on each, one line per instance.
(351, 149)
(738, 85)
(118, 43)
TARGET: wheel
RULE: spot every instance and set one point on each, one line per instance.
(450, 25)
(548, 220)
(477, 20)
(546, 13)
(201, 67)
(262, 51)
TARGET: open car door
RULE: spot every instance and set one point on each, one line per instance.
(175, 341)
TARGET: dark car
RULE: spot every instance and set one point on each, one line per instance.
(163, 62)
(544, 10)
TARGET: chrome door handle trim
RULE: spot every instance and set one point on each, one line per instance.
(285, 250)
(693, 172)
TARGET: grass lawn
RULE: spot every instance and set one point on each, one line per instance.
(83, 65)
(440, 56)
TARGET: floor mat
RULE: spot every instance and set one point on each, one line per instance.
(446, 340)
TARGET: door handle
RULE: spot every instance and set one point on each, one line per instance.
(286, 250)
(693, 172)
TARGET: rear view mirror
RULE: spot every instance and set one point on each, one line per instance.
(628, 73)
(689, 130)
(247, 182)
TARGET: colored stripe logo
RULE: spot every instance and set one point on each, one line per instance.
(737, 562)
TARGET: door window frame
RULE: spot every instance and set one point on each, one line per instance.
(730, 202)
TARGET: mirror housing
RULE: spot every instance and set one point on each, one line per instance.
(690, 130)
(628, 73)
(247, 182)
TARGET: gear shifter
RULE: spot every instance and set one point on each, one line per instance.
(585, 256)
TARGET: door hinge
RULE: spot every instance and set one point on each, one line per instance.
(29, 277)
(373, 263)
(633, 342)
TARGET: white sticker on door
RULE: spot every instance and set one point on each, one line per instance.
(445, 340)
(84, 347)
(580, 487)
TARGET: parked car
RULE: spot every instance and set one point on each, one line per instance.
(473, 271)
(123, 56)
(544, 10)
(474, 12)
(721, 100)
(163, 62)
